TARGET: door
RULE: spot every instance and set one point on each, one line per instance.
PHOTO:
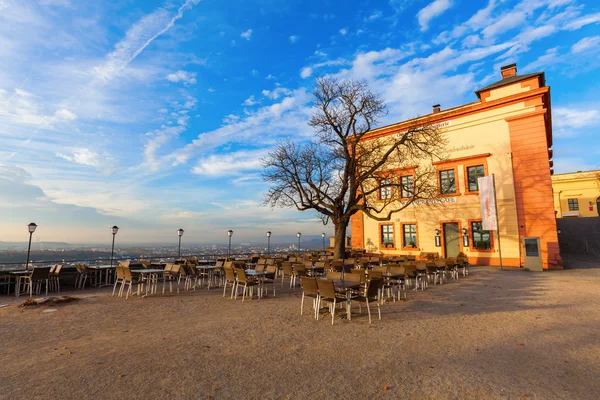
(451, 240)
(533, 258)
(598, 206)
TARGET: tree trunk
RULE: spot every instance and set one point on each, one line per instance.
(339, 249)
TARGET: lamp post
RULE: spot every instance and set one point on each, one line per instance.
(180, 234)
(323, 236)
(229, 233)
(31, 228)
(114, 231)
(268, 242)
(299, 234)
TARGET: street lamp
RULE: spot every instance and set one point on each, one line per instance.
(299, 234)
(180, 234)
(229, 233)
(31, 228)
(268, 242)
(323, 236)
(114, 231)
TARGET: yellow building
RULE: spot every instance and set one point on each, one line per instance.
(577, 194)
(506, 132)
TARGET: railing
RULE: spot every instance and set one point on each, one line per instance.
(169, 257)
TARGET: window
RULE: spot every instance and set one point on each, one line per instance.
(385, 191)
(481, 239)
(573, 204)
(474, 172)
(447, 182)
(387, 235)
(409, 235)
(408, 187)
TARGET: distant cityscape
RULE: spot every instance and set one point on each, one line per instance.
(13, 253)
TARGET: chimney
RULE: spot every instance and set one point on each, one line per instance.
(508, 70)
(436, 108)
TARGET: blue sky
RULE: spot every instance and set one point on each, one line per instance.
(153, 115)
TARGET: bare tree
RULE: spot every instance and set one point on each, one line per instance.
(348, 169)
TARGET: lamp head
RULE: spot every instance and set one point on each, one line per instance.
(180, 232)
(268, 233)
(464, 231)
(229, 233)
(323, 234)
(32, 227)
(114, 230)
(437, 232)
(298, 234)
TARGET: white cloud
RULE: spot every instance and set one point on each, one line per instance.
(65, 114)
(564, 117)
(254, 72)
(580, 22)
(189, 78)
(306, 72)
(237, 163)
(587, 43)
(293, 39)
(374, 16)
(344, 31)
(270, 77)
(549, 57)
(247, 34)
(250, 101)
(276, 93)
(210, 90)
(432, 11)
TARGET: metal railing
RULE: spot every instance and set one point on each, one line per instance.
(164, 257)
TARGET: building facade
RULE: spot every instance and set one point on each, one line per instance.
(507, 132)
(577, 194)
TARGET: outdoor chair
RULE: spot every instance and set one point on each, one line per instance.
(397, 280)
(334, 275)
(128, 281)
(246, 283)
(298, 271)
(371, 293)
(269, 278)
(328, 293)
(39, 276)
(229, 278)
(171, 274)
(451, 268)
(119, 278)
(309, 289)
(432, 272)
(54, 278)
(287, 271)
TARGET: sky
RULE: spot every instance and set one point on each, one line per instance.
(154, 115)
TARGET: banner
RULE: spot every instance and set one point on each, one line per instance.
(487, 202)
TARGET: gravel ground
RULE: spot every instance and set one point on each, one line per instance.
(493, 335)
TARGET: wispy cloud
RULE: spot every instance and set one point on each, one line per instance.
(432, 11)
(137, 38)
(247, 34)
(585, 44)
(186, 77)
(293, 38)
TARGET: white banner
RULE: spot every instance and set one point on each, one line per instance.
(487, 203)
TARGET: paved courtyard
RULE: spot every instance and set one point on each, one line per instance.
(493, 335)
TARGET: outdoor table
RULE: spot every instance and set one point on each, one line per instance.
(151, 278)
(18, 275)
(107, 269)
(211, 272)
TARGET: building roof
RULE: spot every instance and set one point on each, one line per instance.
(509, 80)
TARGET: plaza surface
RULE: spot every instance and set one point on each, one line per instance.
(494, 335)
